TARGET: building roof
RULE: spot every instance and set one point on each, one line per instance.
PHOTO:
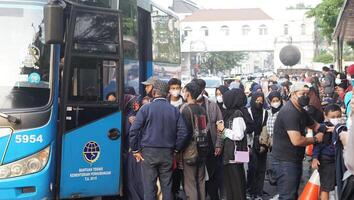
(184, 6)
(228, 15)
(345, 23)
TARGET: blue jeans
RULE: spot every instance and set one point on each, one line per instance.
(288, 175)
(157, 164)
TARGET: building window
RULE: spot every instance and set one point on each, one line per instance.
(286, 29)
(263, 30)
(246, 29)
(225, 30)
(303, 29)
(187, 31)
(204, 30)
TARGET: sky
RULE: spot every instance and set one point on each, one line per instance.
(267, 5)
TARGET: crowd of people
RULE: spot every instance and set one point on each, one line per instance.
(180, 141)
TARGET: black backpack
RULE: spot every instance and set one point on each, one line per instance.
(200, 140)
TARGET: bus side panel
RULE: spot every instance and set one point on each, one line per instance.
(90, 160)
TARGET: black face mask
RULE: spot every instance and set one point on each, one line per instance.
(303, 101)
(258, 105)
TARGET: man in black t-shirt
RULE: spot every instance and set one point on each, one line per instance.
(289, 141)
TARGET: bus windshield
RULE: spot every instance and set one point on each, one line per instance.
(24, 59)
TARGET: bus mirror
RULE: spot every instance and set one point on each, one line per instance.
(53, 23)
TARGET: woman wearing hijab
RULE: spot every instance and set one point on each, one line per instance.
(257, 165)
(276, 103)
(237, 123)
(218, 94)
(315, 108)
(132, 179)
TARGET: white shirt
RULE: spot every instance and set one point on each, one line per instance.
(237, 131)
(177, 103)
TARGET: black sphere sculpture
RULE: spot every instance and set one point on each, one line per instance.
(290, 55)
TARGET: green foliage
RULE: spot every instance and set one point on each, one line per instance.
(324, 57)
(221, 61)
(326, 14)
(299, 6)
(348, 52)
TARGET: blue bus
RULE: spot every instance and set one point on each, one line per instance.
(60, 137)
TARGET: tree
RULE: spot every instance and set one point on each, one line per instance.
(221, 61)
(299, 6)
(326, 14)
(324, 57)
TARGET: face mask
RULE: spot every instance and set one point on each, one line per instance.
(338, 81)
(259, 105)
(276, 104)
(219, 99)
(303, 101)
(175, 93)
(336, 121)
(200, 97)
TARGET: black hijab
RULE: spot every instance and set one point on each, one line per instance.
(257, 112)
(234, 99)
(271, 96)
(222, 89)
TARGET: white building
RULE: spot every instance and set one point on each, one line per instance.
(292, 26)
(252, 31)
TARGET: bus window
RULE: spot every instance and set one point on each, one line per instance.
(92, 80)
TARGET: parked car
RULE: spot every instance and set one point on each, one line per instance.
(212, 82)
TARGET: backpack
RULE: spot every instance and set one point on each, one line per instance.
(198, 149)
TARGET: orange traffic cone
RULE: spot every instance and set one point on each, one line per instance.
(309, 148)
(312, 188)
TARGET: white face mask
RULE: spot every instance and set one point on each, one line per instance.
(336, 121)
(338, 81)
(175, 93)
(275, 105)
(219, 99)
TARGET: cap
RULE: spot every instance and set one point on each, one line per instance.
(296, 86)
(328, 100)
(350, 70)
(150, 81)
(162, 86)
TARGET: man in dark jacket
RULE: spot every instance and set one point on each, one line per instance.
(159, 131)
(329, 82)
(214, 161)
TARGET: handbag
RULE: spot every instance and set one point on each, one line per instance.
(241, 155)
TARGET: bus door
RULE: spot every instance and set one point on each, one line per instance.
(91, 99)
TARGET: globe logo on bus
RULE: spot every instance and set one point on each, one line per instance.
(91, 152)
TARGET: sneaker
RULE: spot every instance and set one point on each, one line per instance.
(276, 197)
